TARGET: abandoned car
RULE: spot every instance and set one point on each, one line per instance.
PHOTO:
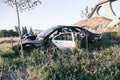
(61, 36)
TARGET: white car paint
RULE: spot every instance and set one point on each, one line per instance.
(63, 44)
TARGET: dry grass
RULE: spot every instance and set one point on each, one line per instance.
(95, 21)
(115, 29)
(7, 43)
(101, 29)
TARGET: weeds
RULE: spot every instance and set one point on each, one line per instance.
(100, 62)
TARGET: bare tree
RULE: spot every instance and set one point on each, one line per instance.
(84, 12)
(21, 5)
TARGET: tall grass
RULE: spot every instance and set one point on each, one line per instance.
(78, 65)
(7, 42)
(99, 62)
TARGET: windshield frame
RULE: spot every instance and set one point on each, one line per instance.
(47, 31)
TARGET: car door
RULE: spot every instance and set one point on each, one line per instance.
(64, 40)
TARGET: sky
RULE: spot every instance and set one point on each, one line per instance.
(49, 13)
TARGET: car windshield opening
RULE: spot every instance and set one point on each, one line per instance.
(46, 32)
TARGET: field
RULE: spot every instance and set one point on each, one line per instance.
(99, 62)
(7, 42)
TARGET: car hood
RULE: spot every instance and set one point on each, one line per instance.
(37, 43)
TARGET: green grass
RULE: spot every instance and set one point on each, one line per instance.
(100, 62)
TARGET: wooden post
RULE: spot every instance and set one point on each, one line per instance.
(11, 42)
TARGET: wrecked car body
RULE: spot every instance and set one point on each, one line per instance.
(62, 37)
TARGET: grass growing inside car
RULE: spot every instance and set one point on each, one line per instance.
(99, 62)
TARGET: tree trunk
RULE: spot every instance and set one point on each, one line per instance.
(95, 7)
(19, 30)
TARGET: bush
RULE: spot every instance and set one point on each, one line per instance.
(8, 33)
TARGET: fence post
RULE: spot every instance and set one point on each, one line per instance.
(11, 41)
